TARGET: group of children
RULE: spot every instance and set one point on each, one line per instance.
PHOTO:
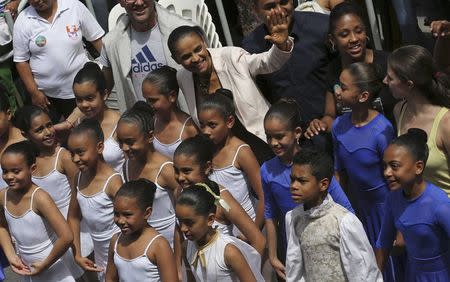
(148, 195)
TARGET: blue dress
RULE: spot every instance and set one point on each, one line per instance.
(277, 195)
(358, 152)
(425, 225)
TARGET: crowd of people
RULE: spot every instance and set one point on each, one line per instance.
(305, 155)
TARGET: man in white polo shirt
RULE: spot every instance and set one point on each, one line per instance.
(137, 46)
(48, 50)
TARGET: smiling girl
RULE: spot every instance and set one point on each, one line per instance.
(92, 201)
(30, 216)
(138, 252)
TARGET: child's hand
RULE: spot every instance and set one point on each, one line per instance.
(88, 264)
(279, 29)
(315, 127)
(279, 267)
(440, 28)
(37, 267)
(19, 267)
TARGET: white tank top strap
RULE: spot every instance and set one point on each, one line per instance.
(182, 128)
(107, 180)
(149, 244)
(6, 198)
(125, 172)
(117, 240)
(57, 157)
(237, 152)
(78, 180)
(32, 197)
(113, 131)
(160, 169)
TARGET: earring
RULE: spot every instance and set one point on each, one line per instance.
(333, 48)
(367, 39)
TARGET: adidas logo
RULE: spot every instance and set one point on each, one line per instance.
(145, 61)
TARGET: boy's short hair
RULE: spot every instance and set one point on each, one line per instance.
(320, 162)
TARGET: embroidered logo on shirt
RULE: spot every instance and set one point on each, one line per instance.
(40, 41)
(145, 61)
(72, 31)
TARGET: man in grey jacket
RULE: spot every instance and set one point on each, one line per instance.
(135, 47)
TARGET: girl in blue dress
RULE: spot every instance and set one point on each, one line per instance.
(282, 125)
(418, 209)
(359, 140)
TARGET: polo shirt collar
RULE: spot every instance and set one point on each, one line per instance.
(63, 5)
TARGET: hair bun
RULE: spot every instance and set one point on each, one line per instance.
(419, 134)
(142, 106)
(225, 92)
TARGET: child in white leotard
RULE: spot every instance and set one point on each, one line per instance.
(97, 184)
(89, 87)
(54, 168)
(41, 234)
(192, 163)
(172, 125)
(234, 166)
(211, 255)
(135, 133)
(139, 252)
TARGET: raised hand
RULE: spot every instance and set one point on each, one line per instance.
(278, 26)
(440, 28)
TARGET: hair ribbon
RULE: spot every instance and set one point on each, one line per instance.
(218, 201)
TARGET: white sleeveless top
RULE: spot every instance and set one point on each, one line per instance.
(98, 212)
(57, 186)
(236, 183)
(136, 269)
(34, 242)
(208, 263)
(163, 212)
(112, 154)
(169, 149)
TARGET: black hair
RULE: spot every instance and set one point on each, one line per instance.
(366, 78)
(91, 72)
(287, 111)
(319, 161)
(181, 32)
(416, 63)
(4, 100)
(415, 141)
(197, 197)
(165, 78)
(24, 116)
(219, 102)
(199, 146)
(25, 148)
(340, 10)
(141, 114)
(143, 190)
(90, 126)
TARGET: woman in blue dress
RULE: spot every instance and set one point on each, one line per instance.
(418, 209)
(359, 140)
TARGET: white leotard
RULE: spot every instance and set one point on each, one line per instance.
(112, 154)
(208, 263)
(34, 242)
(163, 212)
(136, 269)
(169, 149)
(98, 213)
(236, 183)
(57, 186)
